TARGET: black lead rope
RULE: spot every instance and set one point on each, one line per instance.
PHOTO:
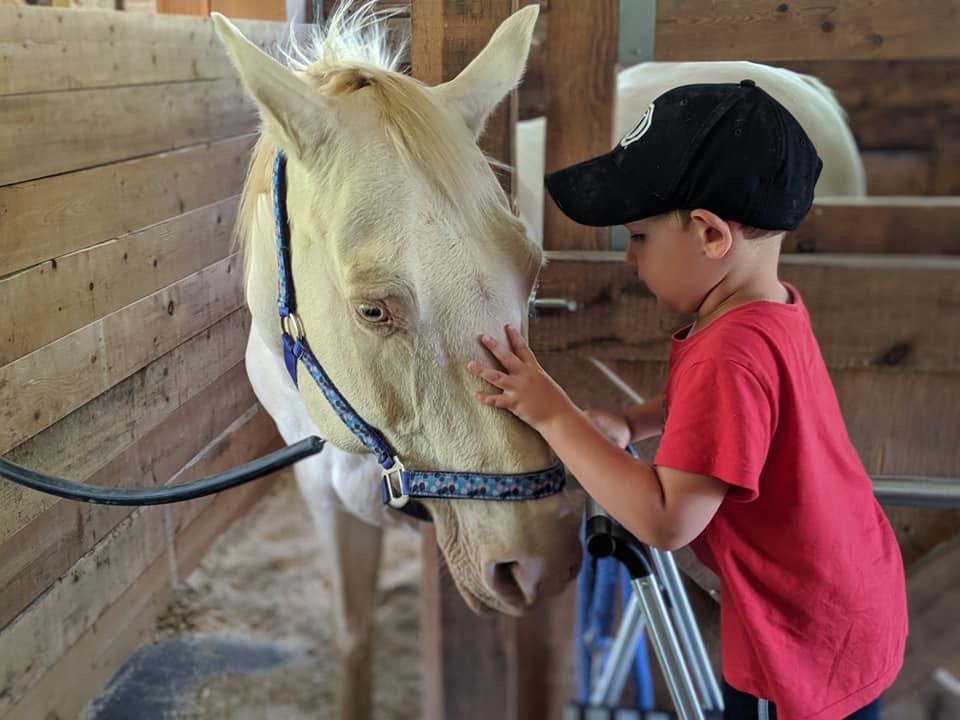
(169, 493)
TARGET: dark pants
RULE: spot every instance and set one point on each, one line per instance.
(743, 706)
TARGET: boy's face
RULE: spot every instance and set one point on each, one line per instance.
(667, 252)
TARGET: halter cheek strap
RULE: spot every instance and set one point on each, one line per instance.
(399, 483)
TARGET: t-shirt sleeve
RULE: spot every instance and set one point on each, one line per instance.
(720, 422)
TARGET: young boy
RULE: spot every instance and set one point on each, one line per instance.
(754, 469)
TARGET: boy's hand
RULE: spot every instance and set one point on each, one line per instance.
(526, 389)
(612, 426)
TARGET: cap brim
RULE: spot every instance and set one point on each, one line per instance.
(596, 192)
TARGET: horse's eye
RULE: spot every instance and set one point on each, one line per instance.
(372, 313)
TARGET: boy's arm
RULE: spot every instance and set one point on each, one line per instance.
(663, 507)
(645, 419)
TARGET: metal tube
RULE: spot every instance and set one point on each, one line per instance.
(665, 645)
(688, 630)
(609, 686)
(917, 491)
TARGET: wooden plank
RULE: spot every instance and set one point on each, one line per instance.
(44, 549)
(101, 430)
(106, 49)
(886, 83)
(273, 10)
(900, 172)
(43, 219)
(30, 645)
(909, 225)
(184, 7)
(57, 297)
(867, 311)
(44, 134)
(42, 387)
(763, 30)
(580, 104)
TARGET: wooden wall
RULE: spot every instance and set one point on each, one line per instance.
(124, 140)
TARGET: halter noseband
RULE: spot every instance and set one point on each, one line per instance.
(400, 484)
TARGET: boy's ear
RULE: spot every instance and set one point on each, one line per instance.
(716, 233)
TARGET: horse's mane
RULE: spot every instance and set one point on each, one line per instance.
(353, 52)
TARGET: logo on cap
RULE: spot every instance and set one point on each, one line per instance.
(640, 129)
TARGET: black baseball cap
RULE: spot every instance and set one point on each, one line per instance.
(726, 147)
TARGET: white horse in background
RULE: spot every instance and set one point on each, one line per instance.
(810, 101)
(404, 250)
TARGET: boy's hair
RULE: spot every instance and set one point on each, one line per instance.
(749, 232)
(727, 147)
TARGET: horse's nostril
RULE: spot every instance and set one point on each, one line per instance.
(516, 581)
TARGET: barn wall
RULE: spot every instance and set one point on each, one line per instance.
(124, 140)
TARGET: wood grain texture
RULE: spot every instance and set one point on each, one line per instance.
(579, 104)
(37, 639)
(765, 30)
(867, 311)
(45, 134)
(47, 49)
(55, 298)
(43, 219)
(446, 36)
(44, 549)
(898, 225)
(42, 387)
(102, 429)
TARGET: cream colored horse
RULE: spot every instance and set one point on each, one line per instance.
(404, 252)
(811, 102)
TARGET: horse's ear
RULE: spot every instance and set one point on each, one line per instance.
(480, 87)
(290, 108)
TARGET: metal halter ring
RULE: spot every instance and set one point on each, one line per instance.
(399, 498)
(292, 326)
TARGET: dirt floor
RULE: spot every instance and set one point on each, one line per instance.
(264, 582)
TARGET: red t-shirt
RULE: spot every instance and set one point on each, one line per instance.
(813, 603)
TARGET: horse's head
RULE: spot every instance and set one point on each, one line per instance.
(404, 252)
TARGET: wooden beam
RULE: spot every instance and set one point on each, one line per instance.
(764, 30)
(33, 558)
(446, 36)
(44, 219)
(580, 86)
(97, 433)
(55, 298)
(42, 387)
(867, 311)
(904, 225)
(44, 134)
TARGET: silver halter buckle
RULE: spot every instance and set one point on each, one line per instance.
(399, 498)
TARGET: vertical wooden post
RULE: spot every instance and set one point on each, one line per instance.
(447, 35)
(580, 82)
(475, 667)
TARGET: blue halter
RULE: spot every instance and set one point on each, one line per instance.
(399, 483)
